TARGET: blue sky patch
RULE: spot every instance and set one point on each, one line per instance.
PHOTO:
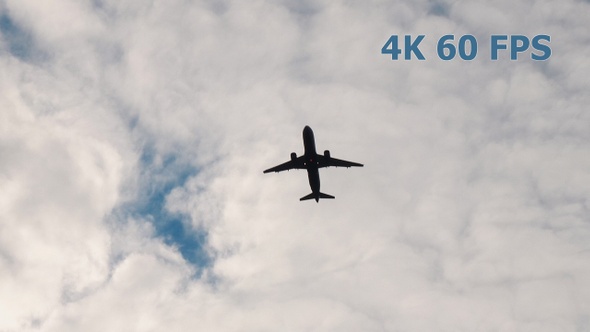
(19, 42)
(439, 9)
(173, 228)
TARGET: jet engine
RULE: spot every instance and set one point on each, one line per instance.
(327, 154)
(293, 156)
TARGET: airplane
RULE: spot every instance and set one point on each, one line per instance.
(311, 161)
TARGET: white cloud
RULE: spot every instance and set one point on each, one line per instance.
(58, 182)
(470, 214)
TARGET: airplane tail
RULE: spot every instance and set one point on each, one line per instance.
(317, 198)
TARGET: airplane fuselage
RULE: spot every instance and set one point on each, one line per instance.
(311, 163)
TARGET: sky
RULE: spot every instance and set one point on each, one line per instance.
(133, 136)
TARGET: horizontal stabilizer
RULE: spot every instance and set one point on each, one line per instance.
(317, 198)
(322, 195)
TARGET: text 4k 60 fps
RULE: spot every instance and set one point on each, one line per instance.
(466, 47)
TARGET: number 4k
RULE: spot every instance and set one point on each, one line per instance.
(392, 47)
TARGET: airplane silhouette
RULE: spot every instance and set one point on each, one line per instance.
(312, 162)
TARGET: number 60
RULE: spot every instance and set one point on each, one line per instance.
(444, 43)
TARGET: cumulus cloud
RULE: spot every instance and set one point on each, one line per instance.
(134, 135)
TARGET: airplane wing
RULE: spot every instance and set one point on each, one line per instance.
(297, 163)
(324, 161)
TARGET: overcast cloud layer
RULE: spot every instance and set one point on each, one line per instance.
(133, 135)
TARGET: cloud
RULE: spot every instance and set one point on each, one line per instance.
(58, 182)
(132, 193)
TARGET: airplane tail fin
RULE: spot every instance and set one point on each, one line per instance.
(313, 196)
